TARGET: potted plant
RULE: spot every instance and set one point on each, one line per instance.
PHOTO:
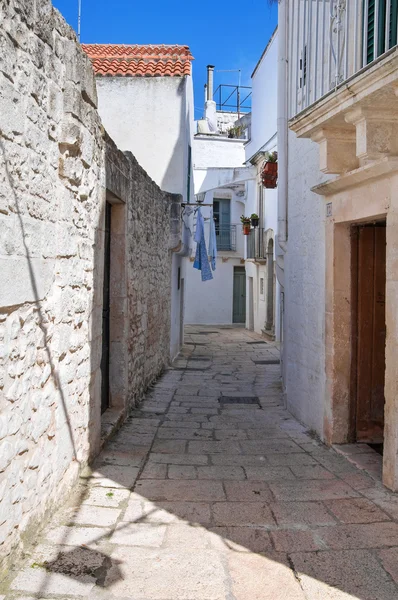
(246, 224)
(269, 173)
(254, 220)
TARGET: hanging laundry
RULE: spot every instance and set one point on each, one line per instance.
(213, 243)
(201, 259)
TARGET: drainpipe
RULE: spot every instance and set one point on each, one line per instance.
(282, 129)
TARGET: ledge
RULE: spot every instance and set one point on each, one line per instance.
(379, 168)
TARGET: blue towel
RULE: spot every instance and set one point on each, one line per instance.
(201, 259)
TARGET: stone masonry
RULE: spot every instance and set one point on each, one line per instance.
(57, 169)
(212, 491)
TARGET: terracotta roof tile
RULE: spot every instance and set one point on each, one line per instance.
(139, 61)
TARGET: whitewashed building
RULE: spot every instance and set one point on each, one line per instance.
(263, 290)
(337, 197)
(145, 99)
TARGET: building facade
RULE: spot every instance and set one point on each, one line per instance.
(145, 99)
(263, 291)
(338, 269)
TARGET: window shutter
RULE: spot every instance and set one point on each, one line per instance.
(382, 22)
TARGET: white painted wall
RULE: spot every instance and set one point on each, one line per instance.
(305, 287)
(264, 99)
(216, 151)
(152, 117)
(263, 138)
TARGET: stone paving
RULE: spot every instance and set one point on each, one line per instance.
(212, 491)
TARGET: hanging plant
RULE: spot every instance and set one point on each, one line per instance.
(254, 220)
(246, 221)
(269, 171)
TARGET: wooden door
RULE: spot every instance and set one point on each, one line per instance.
(239, 295)
(371, 332)
(106, 312)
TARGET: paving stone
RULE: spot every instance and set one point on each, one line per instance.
(255, 577)
(109, 497)
(356, 510)
(207, 491)
(343, 575)
(182, 472)
(94, 515)
(248, 539)
(269, 473)
(296, 541)
(312, 490)
(242, 513)
(221, 473)
(170, 446)
(389, 559)
(77, 536)
(372, 535)
(181, 424)
(248, 491)
(302, 513)
(195, 512)
(182, 433)
(41, 581)
(158, 575)
(269, 447)
(239, 460)
(213, 447)
(114, 476)
(182, 536)
(123, 459)
(154, 471)
(179, 459)
(311, 472)
(139, 534)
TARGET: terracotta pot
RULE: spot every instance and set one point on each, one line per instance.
(269, 175)
(246, 228)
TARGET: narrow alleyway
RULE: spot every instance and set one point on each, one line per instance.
(231, 498)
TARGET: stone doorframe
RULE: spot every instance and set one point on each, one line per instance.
(366, 203)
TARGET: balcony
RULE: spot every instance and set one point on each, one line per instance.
(345, 86)
(331, 41)
(256, 245)
(226, 238)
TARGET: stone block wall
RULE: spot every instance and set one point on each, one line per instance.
(53, 186)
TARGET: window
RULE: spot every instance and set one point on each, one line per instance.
(383, 20)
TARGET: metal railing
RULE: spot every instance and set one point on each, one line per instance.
(255, 244)
(331, 40)
(226, 237)
(236, 98)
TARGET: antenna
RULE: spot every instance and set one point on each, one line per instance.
(79, 18)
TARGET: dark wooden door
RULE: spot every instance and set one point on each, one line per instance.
(371, 329)
(106, 312)
(239, 295)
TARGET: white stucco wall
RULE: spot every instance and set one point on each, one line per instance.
(264, 99)
(305, 287)
(216, 151)
(263, 138)
(148, 116)
(152, 117)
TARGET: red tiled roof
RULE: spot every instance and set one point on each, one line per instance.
(139, 61)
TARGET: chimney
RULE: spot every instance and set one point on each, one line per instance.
(210, 78)
(205, 93)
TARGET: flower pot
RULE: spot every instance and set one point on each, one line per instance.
(269, 175)
(246, 229)
(254, 222)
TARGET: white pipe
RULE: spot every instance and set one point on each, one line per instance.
(282, 125)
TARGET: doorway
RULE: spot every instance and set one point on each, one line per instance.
(369, 333)
(239, 295)
(105, 358)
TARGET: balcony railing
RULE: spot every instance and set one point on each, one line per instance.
(256, 248)
(226, 237)
(331, 40)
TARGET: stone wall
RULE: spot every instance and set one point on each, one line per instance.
(53, 187)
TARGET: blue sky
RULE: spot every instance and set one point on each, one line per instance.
(229, 35)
